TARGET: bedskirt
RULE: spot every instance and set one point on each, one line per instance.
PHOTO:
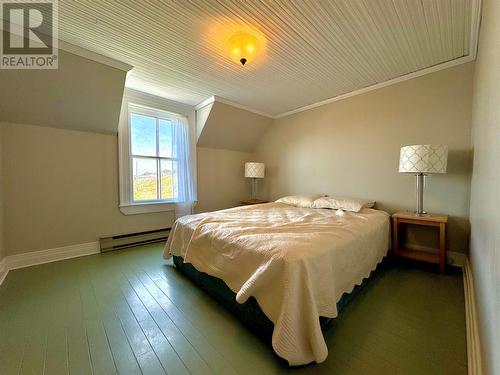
(249, 313)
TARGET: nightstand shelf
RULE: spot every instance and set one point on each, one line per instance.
(425, 256)
(437, 221)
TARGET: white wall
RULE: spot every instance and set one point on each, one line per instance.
(485, 195)
(351, 147)
(61, 188)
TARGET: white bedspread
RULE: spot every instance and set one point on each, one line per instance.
(297, 263)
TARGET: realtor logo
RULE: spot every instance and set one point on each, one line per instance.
(29, 34)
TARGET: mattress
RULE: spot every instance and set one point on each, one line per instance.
(296, 262)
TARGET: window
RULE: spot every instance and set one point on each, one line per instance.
(155, 160)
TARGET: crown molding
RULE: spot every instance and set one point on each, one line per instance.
(82, 52)
(241, 106)
(219, 99)
(406, 77)
(204, 103)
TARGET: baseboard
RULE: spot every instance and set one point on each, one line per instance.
(474, 361)
(3, 270)
(456, 259)
(46, 256)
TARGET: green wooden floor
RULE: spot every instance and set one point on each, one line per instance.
(130, 312)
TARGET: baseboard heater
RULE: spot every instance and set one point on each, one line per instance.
(122, 241)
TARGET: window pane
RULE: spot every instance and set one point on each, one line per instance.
(143, 135)
(145, 179)
(166, 139)
(169, 179)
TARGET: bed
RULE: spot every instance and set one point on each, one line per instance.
(294, 264)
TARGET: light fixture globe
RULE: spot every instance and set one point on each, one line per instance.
(243, 47)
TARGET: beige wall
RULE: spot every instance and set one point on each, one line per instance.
(81, 94)
(226, 137)
(61, 188)
(351, 147)
(221, 181)
(2, 249)
(485, 196)
(230, 128)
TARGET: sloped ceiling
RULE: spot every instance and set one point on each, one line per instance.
(226, 127)
(81, 95)
(313, 50)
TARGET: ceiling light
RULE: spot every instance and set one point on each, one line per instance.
(243, 47)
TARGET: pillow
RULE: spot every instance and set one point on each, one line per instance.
(347, 204)
(304, 201)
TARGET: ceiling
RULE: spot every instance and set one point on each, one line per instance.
(312, 50)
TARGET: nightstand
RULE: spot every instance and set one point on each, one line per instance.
(248, 202)
(437, 221)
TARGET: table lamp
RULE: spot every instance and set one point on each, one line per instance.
(422, 160)
(254, 171)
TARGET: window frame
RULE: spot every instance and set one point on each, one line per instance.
(157, 115)
(153, 104)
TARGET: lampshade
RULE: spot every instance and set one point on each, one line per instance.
(254, 170)
(423, 159)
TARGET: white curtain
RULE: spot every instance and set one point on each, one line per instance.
(185, 180)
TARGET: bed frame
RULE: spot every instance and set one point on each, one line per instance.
(249, 313)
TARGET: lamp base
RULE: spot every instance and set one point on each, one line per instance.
(254, 188)
(420, 194)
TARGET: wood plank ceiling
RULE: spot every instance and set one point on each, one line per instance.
(313, 50)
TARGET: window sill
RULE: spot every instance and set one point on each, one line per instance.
(145, 208)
